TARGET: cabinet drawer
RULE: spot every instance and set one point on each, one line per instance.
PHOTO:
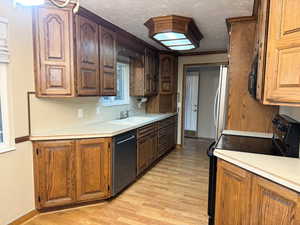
(167, 122)
(146, 130)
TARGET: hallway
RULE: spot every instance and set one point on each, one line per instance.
(174, 192)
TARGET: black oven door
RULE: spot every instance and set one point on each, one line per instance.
(212, 183)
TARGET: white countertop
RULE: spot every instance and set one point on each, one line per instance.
(101, 129)
(282, 170)
(248, 133)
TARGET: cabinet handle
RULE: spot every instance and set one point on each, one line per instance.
(128, 139)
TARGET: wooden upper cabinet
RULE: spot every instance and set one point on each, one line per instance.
(74, 55)
(55, 173)
(151, 72)
(108, 59)
(144, 73)
(53, 43)
(92, 167)
(283, 54)
(232, 195)
(166, 75)
(273, 204)
(88, 75)
(260, 46)
(137, 76)
(242, 109)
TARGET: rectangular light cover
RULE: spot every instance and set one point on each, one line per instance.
(177, 42)
(182, 47)
(168, 36)
(30, 2)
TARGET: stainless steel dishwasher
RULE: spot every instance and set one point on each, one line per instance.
(124, 161)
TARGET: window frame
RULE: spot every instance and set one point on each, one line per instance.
(126, 101)
(7, 144)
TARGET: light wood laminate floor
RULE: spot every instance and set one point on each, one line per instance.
(174, 192)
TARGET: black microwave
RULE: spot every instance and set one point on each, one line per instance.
(252, 79)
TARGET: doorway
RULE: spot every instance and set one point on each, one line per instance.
(201, 83)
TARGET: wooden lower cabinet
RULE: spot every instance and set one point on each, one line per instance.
(54, 163)
(273, 204)
(154, 141)
(146, 147)
(167, 135)
(233, 195)
(71, 171)
(92, 169)
(243, 198)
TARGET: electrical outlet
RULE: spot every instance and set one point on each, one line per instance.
(98, 110)
(80, 113)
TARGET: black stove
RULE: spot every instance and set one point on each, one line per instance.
(284, 142)
(247, 144)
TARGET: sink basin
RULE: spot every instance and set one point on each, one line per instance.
(131, 120)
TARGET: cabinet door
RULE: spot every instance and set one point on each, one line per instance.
(88, 79)
(261, 45)
(148, 72)
(108, 62)
(273, 204)
(137, 77)
(232, 195)
(93, 169)
(153, 148)
(53, 33)
(144, 151)
(54, 173)
(283, 54)
(166, 74)
(154, 73)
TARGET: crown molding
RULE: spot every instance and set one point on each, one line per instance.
(4, 53)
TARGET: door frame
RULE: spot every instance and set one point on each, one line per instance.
(185, 66)
(193, 133)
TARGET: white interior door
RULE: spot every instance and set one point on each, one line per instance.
(191, 101)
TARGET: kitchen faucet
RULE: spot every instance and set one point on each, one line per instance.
(124, 114)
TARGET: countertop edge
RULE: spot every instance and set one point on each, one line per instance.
(98, 135)
(258, 171)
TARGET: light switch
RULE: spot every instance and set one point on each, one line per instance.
(80, 113)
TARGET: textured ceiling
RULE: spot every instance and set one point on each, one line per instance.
(209, 16)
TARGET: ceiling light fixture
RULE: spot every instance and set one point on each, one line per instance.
(176, 33)
(58, 3)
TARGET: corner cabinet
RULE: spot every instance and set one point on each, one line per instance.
(282, 79)
(92, 169)
(74, 56)
(71, 171)
(144, 74)
(243, 198)
(166, 99)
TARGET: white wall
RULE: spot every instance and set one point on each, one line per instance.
(209, 80)
(192, 60)
(62, 113)
(16, 176)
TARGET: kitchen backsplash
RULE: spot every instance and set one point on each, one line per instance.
(53, 114)
(293, 112)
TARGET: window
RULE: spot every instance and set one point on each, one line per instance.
(122, 97)
(1, 125)
(5, 140)
(5, 144)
